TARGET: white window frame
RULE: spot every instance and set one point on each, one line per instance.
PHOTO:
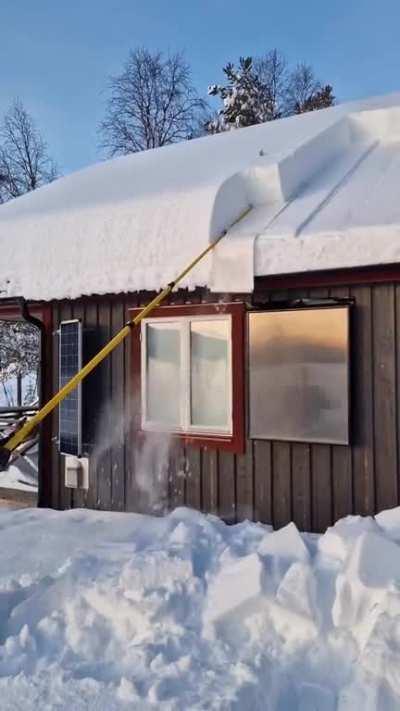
(183, 322)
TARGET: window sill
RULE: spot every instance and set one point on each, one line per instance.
(226, 443)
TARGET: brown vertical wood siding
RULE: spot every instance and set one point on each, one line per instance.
(273, 482)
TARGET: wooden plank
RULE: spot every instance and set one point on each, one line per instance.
(102, 451)
(45, 489)
(118, 427)
(91, 399)
(55, 457)
(301, 484)
(66, 499)
(226, 487)
(282, 494)
(385, 395)
(132, 408)
(209, 481)
(384, 273)
(262, 481)
(362, 415)
(193, 478)
(321, 487)
(342, 482)
(177, 473)
(245, 484)
(321, 479)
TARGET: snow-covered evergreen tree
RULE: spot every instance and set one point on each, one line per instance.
(246, 100)
(265, 89)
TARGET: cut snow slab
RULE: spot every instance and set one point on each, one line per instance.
(237, 583)
(286, 544)
(371, 572)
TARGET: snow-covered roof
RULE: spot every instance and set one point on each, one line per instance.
(323, 188)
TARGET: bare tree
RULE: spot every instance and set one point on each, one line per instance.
(272, 71)
(306, 93)
(152, 103)
(24, 160)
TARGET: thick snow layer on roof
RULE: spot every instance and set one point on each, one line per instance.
(112, 611)
(134, 222)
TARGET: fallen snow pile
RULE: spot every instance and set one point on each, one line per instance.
(109, 611)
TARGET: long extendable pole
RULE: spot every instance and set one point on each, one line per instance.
(20, 435)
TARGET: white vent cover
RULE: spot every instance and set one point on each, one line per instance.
(76, 472)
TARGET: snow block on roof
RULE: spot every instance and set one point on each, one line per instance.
(134, 223)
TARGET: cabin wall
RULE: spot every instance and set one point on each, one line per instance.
(273, 482)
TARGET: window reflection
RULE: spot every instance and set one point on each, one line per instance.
(209, 373)
(163, 373)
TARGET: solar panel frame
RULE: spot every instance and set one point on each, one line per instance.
(70, 410)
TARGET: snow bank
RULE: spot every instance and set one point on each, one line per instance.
(322, 187)
(118, 611)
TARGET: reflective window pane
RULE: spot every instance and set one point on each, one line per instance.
(163, 373)
(210, 373)
(299, 369)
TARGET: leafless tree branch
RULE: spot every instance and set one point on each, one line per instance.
(24, 160)
(151, 103)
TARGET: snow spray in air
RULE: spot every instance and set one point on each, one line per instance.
(146, 457)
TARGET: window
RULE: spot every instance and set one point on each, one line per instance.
(191, 373)
(299, 374)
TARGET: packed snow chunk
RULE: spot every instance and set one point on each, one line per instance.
(389, 522)
(339, 539)
(375, 562)
(372, 570)
(236, 584)
(161, 570)
(297, 592)
(286, 544)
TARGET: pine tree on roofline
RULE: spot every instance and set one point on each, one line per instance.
(246, 100)
(320, 99)
(264, 89)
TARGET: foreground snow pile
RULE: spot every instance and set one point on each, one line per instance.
(115, 611)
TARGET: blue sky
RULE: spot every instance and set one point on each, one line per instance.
(56, 55)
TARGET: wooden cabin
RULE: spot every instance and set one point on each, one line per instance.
(267, 387)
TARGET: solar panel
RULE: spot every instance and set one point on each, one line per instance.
(70, 410)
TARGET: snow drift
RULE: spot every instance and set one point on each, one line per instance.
(113, 611)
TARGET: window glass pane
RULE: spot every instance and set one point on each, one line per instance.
(163, 373)
(299, 375)
(209, 373)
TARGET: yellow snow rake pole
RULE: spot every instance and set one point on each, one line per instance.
(21, 434)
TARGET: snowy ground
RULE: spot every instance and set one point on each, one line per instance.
(23, 475)
(109, 611)
(15, 477)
